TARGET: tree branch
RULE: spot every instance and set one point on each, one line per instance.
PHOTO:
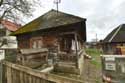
(16, 8)
(4, 13)
(1, 2)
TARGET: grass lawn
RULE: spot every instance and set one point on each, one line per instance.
(95, 54)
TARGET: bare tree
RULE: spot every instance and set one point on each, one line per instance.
(14, 9)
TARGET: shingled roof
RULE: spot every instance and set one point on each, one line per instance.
(50, 19)
(117, 35)
(10, 25)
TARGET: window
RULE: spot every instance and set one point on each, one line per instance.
(39, 43)
(36, 43)
(65, 44)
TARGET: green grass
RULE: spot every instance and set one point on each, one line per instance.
(94, 62)
(92, 51)
(95, 54)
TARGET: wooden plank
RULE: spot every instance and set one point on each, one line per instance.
(21, 77)
(24, 78)
(33, 81)
(37, 80)
(9, 76)
(66, 33)
(13, 76)
(45, 76)
(30, 78)
(4, 73)
(76, 50)
(16, 75)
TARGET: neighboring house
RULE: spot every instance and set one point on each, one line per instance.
(6, 27)
(58, 31)
(114, 43)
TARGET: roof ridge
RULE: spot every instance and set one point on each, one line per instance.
(68, 14)
(115, 33)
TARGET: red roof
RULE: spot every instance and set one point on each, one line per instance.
(10, 25)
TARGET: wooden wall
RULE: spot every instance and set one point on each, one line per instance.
(49, 35)
(23, 41)
(26, 42)
(113, 48)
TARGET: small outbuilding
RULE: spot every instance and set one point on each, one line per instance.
(114, 43)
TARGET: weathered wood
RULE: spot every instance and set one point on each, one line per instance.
(30, 78)
(25, 78)
(13, 76)
(66, 33)
(9, 75)
(76, 50)
(21, 77)
(35, 75)
(66, 69)
(38, 80)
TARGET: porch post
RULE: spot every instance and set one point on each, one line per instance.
(76, 49)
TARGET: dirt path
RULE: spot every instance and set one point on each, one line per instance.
(92, 67)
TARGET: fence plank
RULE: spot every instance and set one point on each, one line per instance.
(30, 78)
(13, 76)
(48, 78)
(9, 75)
(21, 76)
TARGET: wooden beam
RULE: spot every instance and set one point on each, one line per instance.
(66, 33)
(76, 47)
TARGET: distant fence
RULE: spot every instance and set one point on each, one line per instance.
(14, 73)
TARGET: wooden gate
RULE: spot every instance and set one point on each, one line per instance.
(14, 73)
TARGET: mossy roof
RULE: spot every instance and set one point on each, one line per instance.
(50, 19)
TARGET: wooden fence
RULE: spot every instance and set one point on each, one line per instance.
(14, 73)
(67, 57)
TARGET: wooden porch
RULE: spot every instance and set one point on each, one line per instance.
(66, 48)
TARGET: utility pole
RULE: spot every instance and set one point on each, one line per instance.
(96, 38)
(57, 4)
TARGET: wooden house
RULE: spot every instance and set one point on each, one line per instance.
(59, 32)
(7, 42)
(114, 43)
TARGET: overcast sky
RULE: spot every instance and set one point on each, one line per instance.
(102, 15)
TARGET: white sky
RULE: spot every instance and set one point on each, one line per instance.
(102, 15)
